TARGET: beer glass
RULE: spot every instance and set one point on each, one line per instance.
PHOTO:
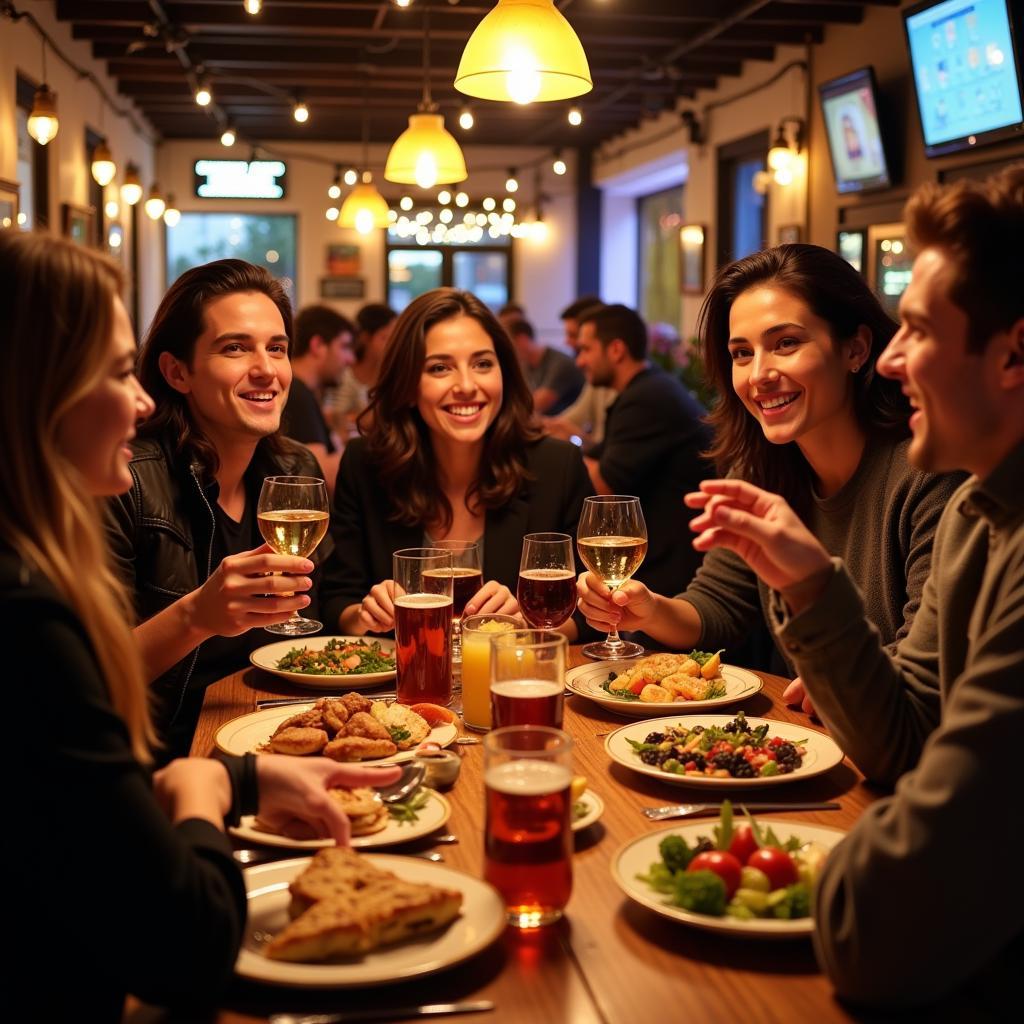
(547, 580)
(478, 631)
(528, 678)
(612, 541)
(423, 625)
(292, 516)
(527, 831)
(467, 579)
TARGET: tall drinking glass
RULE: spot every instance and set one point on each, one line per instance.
(423, 625)
(527, 833)
(547, 580)
(467, 579)
(292, 513)
(612, 541)
(478, 631)
(528, 678)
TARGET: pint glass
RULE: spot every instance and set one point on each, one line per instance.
(528, 678)
(423, 625)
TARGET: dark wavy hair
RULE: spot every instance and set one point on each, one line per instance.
(980, 225)
(178, 324)
(397, 439)
(835, 293)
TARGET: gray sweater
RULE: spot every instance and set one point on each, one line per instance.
(881, 523)
(924, 895)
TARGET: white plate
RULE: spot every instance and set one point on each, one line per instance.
(636, 858)
(595, 808)
(243, 735)
(480, 922)
(821, 751)
(586, 681)
(267, 658)
(434, 813)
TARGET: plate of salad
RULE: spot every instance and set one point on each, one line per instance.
(324, 662)
(663, 684)
(737, 877)
(719, 751)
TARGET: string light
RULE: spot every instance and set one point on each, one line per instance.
(511, 182)
(300, 112)
(252, 6)
(466, 119)
(103, 166)
(575, 116)
(155, 204)
(227, 137)
(131, 188)
(351, 176)
(204, 95)
(43, 123)
(558, 164)
(172, 215)
(334, 189)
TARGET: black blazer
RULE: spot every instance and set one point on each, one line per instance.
(365, 537)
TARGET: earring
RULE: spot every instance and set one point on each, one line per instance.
(855, 368)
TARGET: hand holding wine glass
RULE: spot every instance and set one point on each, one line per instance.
(547, 580)
(293, 518)
(612, 541)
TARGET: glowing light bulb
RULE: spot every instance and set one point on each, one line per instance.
(426, 170)
(405, 202)
(228, 137)
(784, 176)
(444, 197)
(523, 80)
(511, 184)
(111, 209)
(332, 213)
(252, 6)
(172, 216)
(466, 119)
(575, 117)
(559, 166)
(364, 221)
(461, 199)
(446, 216)
(488, 203)
(508, 204)
(203, 95)
(301, 113)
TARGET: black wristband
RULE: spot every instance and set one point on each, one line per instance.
(245, 797)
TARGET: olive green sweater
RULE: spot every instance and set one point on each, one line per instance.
(923, 896)
(881, 523)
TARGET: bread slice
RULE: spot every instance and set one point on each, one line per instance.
(347, 907)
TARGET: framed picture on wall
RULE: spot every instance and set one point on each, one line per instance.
(691, 259)
(8, 204)
(889, 264)
(342, 288)
(850, 244)
(789, 233)
(79, 223)
(342, 260)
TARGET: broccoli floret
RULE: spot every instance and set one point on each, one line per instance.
(703, 892)
(659, 878)
(675, 852)
(792, 902)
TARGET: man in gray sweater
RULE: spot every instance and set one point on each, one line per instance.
(923, 897)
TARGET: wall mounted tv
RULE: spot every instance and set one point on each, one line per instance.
(849, 106)
(967, 72)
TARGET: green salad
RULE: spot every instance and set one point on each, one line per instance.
(339, 658)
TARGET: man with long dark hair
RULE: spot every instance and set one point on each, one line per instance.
(919, 900)
(185, 537)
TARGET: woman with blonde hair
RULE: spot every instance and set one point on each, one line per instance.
(150, 883)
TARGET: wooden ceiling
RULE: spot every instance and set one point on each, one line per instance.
(341, 56)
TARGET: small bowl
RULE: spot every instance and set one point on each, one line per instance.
(442, 767)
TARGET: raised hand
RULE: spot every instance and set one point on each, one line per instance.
(766, 533)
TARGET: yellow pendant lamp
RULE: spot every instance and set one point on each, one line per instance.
(103, 166)
(364, 208)
(524, 51)
(426, 154)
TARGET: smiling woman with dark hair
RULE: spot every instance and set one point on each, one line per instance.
(790, 337)
(448, 451)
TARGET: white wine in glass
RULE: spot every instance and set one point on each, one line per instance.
(612, 541)
(293, 517)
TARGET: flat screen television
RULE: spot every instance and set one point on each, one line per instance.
(967, 72)
(850, 108)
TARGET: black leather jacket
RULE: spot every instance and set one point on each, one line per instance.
(161, 537)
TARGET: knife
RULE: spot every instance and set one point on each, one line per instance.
(400, 1013)
(284, 702)
(695, 810)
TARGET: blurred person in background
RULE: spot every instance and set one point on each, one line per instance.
(374, 323)
(448, 451)
(552, 376)
(161, 899)
(321, 349)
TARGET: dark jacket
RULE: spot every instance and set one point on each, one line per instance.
(160, 907)
(365, 536)
(161, 537)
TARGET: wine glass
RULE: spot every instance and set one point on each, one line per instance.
(467, 579)
(612, 541)
(293, 517)
(547, 580)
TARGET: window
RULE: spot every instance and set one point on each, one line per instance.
(660, 216)
(268, 240)
(741, 209)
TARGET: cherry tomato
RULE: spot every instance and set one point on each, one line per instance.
(776, 864)
(637, 686)
(724, 864)
(743, 843)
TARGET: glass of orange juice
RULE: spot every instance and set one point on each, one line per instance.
(477, 633)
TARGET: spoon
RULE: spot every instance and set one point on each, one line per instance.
(411, 777)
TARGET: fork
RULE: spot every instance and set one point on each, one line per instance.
(695, 810)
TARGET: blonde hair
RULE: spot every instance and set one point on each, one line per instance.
(54, 348)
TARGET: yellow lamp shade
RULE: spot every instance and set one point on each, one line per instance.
(524, 51)
(103, 166)
(425, 154)
(364, 208)
(42, 121)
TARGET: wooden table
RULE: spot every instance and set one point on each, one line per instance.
(609, 961)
